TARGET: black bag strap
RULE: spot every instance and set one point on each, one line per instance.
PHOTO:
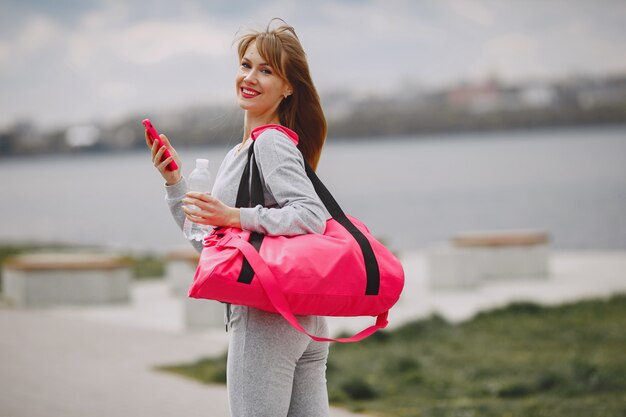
(251, 192)
(248, 196)
(371, 263)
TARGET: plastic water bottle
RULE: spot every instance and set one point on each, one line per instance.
(199, 180)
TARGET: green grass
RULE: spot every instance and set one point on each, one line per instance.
(147, 266)
(522, 360)
(206, 370)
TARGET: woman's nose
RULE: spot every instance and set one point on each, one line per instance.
(250, 77)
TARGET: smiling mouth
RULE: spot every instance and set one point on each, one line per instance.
(248, 93)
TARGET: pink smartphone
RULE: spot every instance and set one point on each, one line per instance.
(154, 135)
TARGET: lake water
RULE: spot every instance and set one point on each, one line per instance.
(412, 192)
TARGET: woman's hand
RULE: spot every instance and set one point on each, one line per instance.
(171, 177)
(211, 210)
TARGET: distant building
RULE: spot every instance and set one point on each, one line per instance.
(592, 93)
(23, 138)
(82, 136)
(537, 96)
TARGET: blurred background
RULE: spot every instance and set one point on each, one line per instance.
(454, 115)
(446, 118)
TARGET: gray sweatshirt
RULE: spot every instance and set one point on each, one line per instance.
(292, 206)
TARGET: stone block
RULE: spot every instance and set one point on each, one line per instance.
(198, 314)
(473, 258)
(180, 270)
(40, 280)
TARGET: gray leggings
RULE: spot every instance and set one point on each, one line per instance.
(274, 370)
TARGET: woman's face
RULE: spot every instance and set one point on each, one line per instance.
(259, 89)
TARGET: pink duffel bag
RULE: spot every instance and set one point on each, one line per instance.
(344, 272)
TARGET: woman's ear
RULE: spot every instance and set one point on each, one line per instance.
(288, 91)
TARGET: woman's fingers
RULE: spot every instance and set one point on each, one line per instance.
(203, 205)
(203, 208)
(164, 163)
(154, 149)
(196, 216)
(154, 145)
(192, 212)
(165, 140)
(158, 156)
(157, 150)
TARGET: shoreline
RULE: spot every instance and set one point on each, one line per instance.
(465, 134)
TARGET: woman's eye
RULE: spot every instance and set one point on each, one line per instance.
(266, 71)
(245, 65)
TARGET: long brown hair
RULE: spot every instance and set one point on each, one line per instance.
(301, 111)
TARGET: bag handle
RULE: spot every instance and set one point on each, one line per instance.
(277, 298)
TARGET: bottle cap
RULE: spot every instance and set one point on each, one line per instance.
(202, 163)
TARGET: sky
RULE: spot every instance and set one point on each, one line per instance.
(74, 61)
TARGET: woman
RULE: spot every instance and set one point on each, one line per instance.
(273, 370)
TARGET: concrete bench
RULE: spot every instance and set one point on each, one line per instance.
(180, 270)
(46, 279)
(198, 314)
(473, 258)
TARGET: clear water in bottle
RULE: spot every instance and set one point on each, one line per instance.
(199, 180)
